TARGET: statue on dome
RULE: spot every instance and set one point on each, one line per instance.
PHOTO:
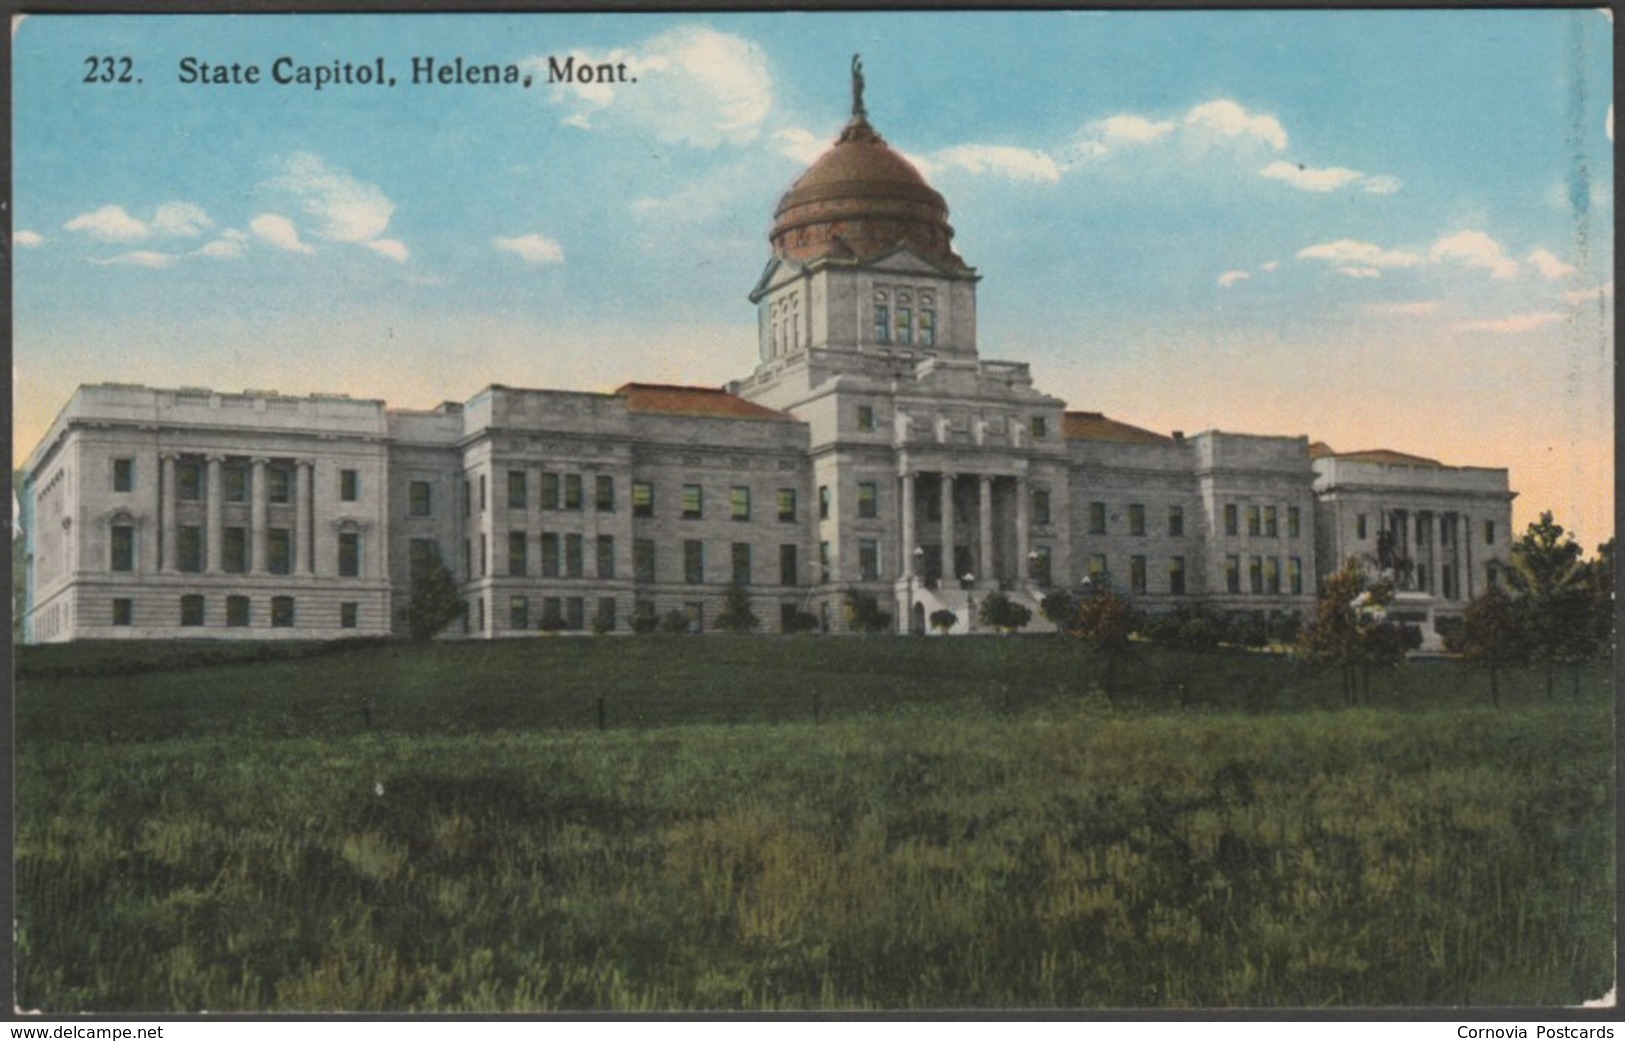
(857, 88)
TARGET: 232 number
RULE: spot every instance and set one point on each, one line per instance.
(109, 70)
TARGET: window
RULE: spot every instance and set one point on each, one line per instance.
(574, 560)
(1040, 428)
(1272, 575)
(189, 480)
(234, 550)
(1136, 574)
(867, 503)
(189, 548)
(1176, 521)
(1294, 576)
(234, 478)
(468, 562)
(420, 557)
(349, 554)
(696, 616)
(192, 609)
(1041, 568)
(1230, 527)
(823, 502)
(1176, 576)
(741, 563)
(928, 328)
(643, 560)
(693, 561)
(739, 503)
(1097, 518)
(485, 552)
(347, 614)
(349, 485)
(905, 326)
(866, 418)
(1489, 533)
(643, 499)
(1136, 518)
(789, 572)
(123, 611)
(123, 547)
(419, 499)
(882, 324)
(572, 491)
(605, 620)
(1232, 574)
(282, 612)
(517, 546)
(823, 561)
(1097, 567)
(550, 491)
(482, 510)
(606, 556)
(1294, 525)
(1254, 528)
(518, 611)
(1359, 526)
(693, 502)
(603, 493)
(1040, 497)
(550, 554)
(124, 475)
(479, 612)
(518, 489)
(868, 560)
(279, 481)
(1255, 574)
(1422, 532)
(1421, 576)
(787, 504)
(1270, 528)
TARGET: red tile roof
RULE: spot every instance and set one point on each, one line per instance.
(1093, 426)
(671, 400)
(1321, 449)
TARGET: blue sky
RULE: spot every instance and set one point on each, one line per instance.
(1376, 228)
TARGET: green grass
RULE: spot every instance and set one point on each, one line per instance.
(969, 824)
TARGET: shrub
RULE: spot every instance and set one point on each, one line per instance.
(864, 615)
(999, 612)
(801, 622)
(674, 621)
(943, 619)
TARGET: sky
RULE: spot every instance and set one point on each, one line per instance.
(1376, 228)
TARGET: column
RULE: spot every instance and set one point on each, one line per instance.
(948, 572)
(909, 534)
(304, 508)
(259, 522)
(984, 559)
(1467, 554)
(212, 547)
(1023, 522)
(168, 539)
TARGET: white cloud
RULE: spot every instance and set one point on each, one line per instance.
(1359, 256)
(532, 249)
(1269, 265)
(1517, 323)
(1230, 278)
(1134, 128)
(25, 239)
(279, 232)
(1225, 117)
(1548, 264)
(1406, 309)
(109, 224)
(394, 249)
(1595, 293)
(1021, 164)
(1329, 179)
(1477, 250)
(229, 246)
(1381, 184)
(693, 85)
(1360, 272)
(801, 145)
(141, 258)
(343, 208)
(184, 219)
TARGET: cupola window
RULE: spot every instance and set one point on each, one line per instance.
(882, 324)
(928, 328)
(905, 325)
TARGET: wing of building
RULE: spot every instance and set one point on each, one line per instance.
(873, 449)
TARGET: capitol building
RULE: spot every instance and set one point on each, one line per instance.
(872, 448)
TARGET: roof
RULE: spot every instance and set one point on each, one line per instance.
(1321, 450)
(1094, 426)
(672, 400)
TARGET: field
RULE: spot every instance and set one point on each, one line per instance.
(809, 823)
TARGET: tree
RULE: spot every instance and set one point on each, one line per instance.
(434, 600)
(1059, 608)
(1549, 579)
(1349, 631)
(1600, 583)
(1492, 636)
(998, 611)
(736, 616)
(863, 613)
(1105, 620)
(943, 619)
(801, 622)
(675, 622)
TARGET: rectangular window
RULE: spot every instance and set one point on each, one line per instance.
(123, 611)
(1097, 518)
(124, 475)
(349, 554)
(787, 504)
(693, 561)
(572, 491)
(868, 505)
(928, 328)
(741, 563)
(1232, 574)
(1255, 574)
(575, 612)
(739, 503)
(420, 557)
(1421, 576)
(1040, 428)
(479, 605)
(603, 493)
(1136, 574)
(823, 502)
(419, 499)
(643, 499)
(693, 502)
(1294, 576)
(789, 572)
(1176, 576)
(823, 561)
(1230, 527)
(1254, 528)
(1097, 567)
(519, 611)
(866, 418)
(468, 562)
(482, 510)
(696, 616)
(550, 491)
(1176, 521)
(348, 612)
(279, 484)
(1271, 530)
(349, 485)
(1359, 526)
(868, 560)
(1040, 499)
(234, 481)
(605, 620)
(234, 550)
(189, 480)
(1421, 529)
(518, 489)
(192, 609)
(468, 508)
(905, 326)
(282, 612)
(552, 612)
(1294, 523)
(518, 544)
(1489, 533)
(123, 547)
(1041, 567)
(1136, 518)
(485, 555)
(882, 324)
(574, 557)
(1272, 575)
(606, 556)
(550, 554)
(643, 560)
(189, 548)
